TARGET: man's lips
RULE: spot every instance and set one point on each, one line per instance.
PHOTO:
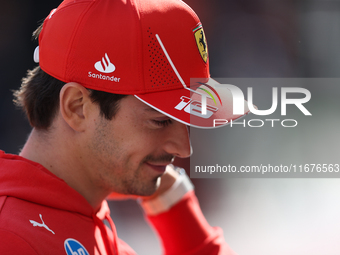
(158, 167)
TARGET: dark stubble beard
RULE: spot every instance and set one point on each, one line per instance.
(135, 186)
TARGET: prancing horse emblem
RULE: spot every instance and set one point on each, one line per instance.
(201, 43)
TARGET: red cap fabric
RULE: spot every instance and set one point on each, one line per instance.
(148, 48)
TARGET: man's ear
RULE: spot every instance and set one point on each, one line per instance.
(75, 105)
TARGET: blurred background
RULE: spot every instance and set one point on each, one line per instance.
(246, 39)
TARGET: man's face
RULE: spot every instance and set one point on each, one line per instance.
(129, 153)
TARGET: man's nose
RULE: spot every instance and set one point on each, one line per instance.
(177, 142)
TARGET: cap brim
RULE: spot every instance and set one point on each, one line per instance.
(185, 104)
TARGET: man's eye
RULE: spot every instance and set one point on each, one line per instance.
(162, 123)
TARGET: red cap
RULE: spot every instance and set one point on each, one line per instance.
(148, 48)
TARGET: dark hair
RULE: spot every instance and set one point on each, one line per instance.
(39, 93)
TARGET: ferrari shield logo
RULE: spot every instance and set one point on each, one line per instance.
(201, 42)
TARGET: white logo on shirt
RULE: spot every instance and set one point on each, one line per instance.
(43, 225)
(105, 66)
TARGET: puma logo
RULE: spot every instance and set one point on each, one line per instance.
(43, 225)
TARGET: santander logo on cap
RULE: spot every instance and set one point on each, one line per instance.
(105, 65)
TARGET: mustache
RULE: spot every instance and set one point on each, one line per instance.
(165, 158)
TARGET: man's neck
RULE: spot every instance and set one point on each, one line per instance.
(57, 156)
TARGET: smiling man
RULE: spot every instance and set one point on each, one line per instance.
(109, 104)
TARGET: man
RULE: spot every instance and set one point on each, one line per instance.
(109, 104)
